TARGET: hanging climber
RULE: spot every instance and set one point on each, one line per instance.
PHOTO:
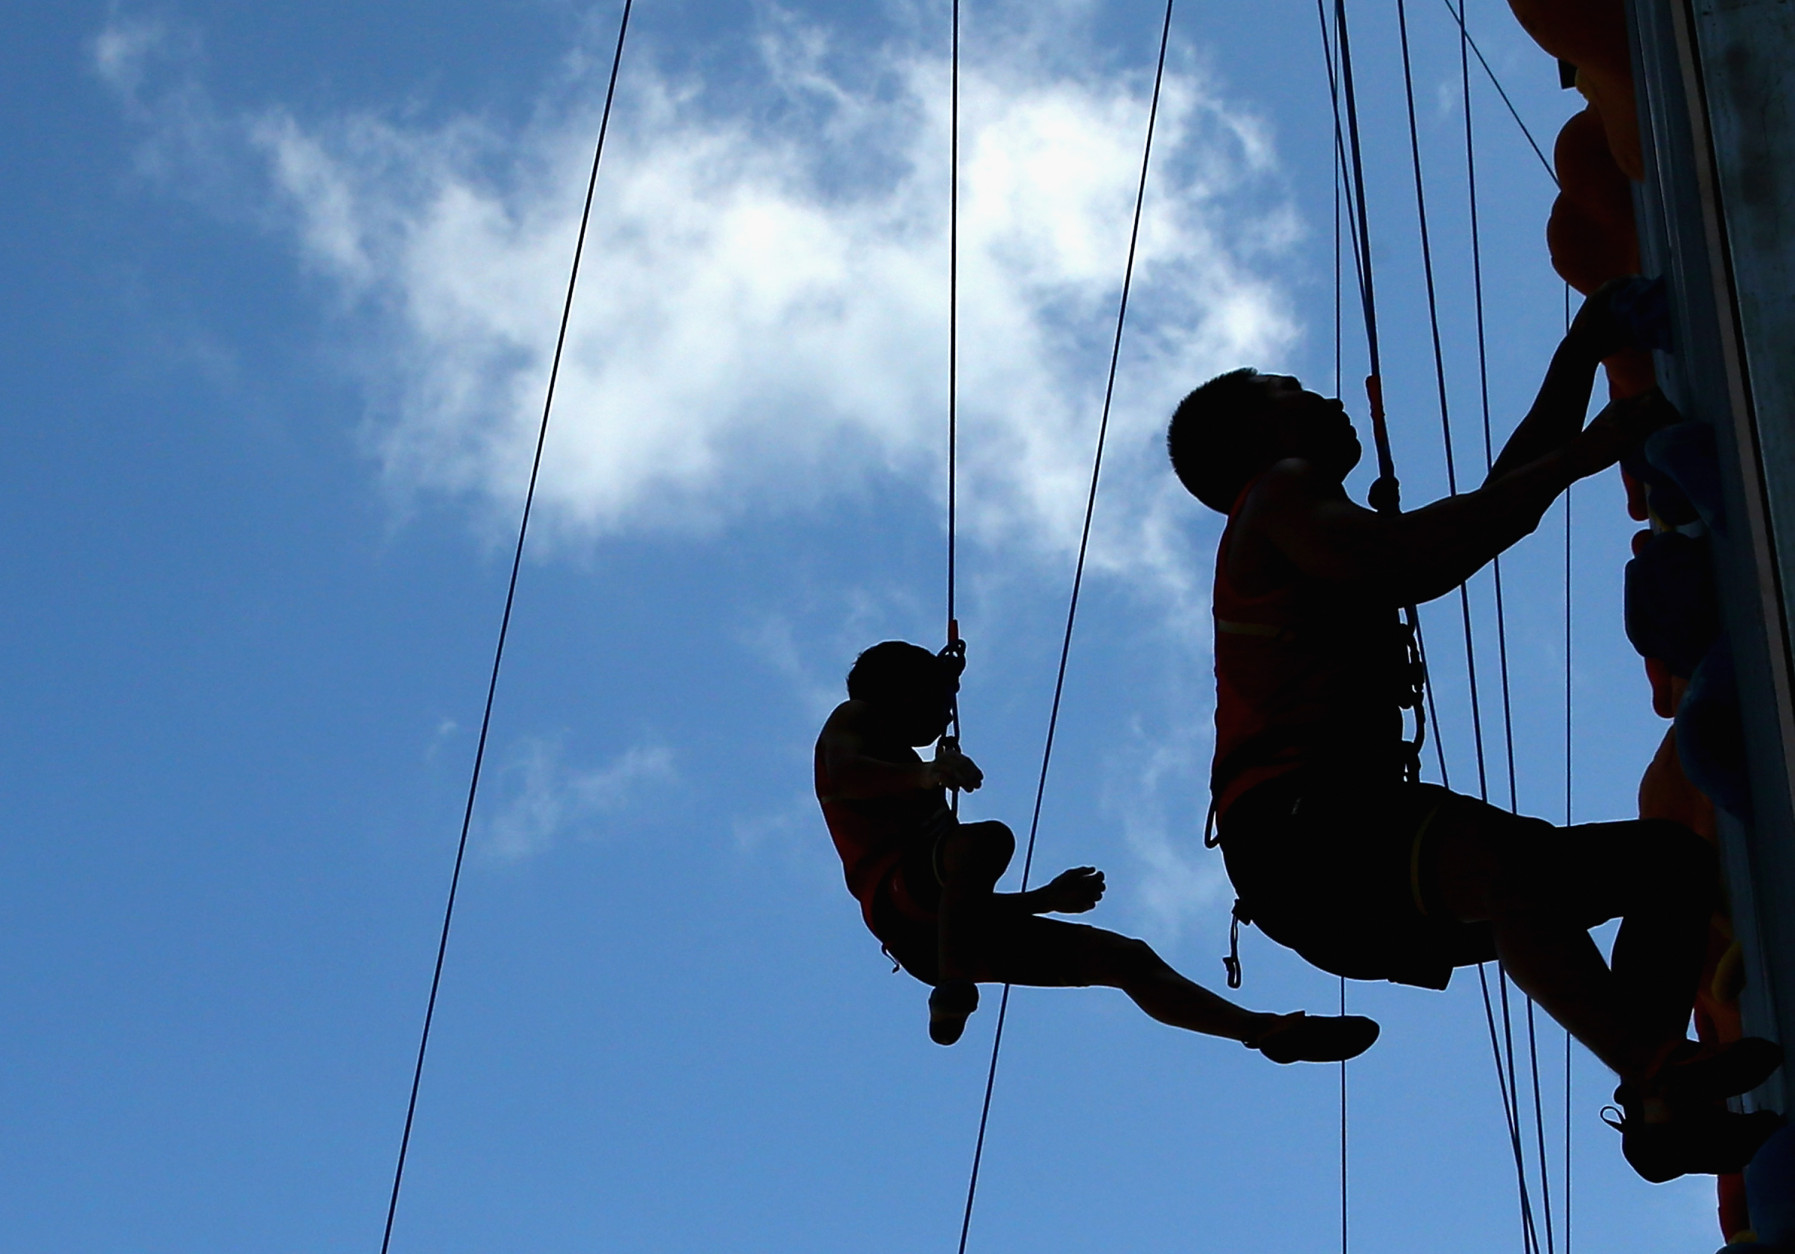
(926, 882)
(1336, 849)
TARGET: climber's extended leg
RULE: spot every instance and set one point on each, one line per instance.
(1050, 953)
(979, 935)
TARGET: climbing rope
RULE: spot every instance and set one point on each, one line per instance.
(1467, 45)
(1386, 493)
(498, 653)
(1343, 1158)
(1385, 498)
(1539, 1130)
(1328, 56)
(1504, 1049)
(953, 333)
(1327, 53)
(1510, 1101)
(1507, 1083)
(1084, 541)
(1567, 815)
(1433, 319)
(1458, 16)
(955, 648)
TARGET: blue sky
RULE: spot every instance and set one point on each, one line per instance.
(283, 288)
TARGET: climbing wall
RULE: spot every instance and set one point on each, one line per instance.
(1682, 166)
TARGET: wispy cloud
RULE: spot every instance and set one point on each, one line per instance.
(1155, 785)
(762, 320)
(539, 800)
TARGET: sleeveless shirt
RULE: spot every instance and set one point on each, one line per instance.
(872, 834)
(1307, 672)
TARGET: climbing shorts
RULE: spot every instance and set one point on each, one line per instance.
(1339, 867)
(1020, 948)
(906, 902)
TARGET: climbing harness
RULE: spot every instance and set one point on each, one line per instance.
(1059, 683)
(498, 655)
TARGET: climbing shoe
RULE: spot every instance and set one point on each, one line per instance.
(1317, 1038)
(950, 1005)
(1705, 1073)
(1706, 1139)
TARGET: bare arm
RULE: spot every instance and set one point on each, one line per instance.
(1417, 556)
(1563, 401)
(859, 767)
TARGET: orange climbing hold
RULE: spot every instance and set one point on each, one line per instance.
(1592, 35)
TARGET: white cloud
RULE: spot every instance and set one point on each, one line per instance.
(761, 322)
(1155, 784)
(121, 50)
(153, 71)
(540, 799)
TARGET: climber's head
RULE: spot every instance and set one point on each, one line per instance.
(910, 687)
(1239, 424)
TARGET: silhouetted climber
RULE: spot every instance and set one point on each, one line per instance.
(926, 881)
(1334, 847)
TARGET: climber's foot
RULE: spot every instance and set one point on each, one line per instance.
(1697, 1073)
(950, 1005)
(1303, 1037)
(1705, 1140)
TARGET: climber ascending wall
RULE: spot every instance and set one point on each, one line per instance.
(1334, 847)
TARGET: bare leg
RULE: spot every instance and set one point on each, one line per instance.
(1557, 964)
(1160, 991)
(972, 858)
(995, 937)
(1535, 889)
(1047, 953)
(1131, 965)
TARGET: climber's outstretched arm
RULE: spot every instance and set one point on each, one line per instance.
(863, 760)
(1562, 404)
(1416, 556)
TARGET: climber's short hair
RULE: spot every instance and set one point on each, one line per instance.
(897, 671)
(1218, 439)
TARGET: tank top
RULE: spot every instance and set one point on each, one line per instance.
(872, 834)
(1307, 672)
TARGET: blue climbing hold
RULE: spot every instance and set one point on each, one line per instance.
(1662, 496)
(1770, 1191)
(1685, 454)
(1711, 733)
(1671, 611)
(1643, 307)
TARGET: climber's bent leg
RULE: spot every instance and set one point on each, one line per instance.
(969, 858)
(1540, 888)
(1051, 953)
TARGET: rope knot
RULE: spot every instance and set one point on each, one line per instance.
(1240, 914)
